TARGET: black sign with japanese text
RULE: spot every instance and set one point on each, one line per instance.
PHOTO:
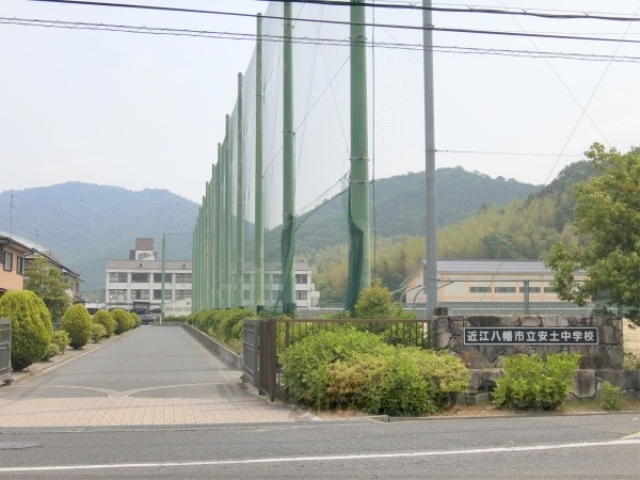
(531, 336)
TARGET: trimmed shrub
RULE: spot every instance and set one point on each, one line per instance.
(77, 323)
(121, 318)
(399, 388)
(401, 381)
(104, 318)
(305, 364)
(61, 339)
(97, 332)
(134, 320)
(31, 327)
(52, 351)
(530, 382)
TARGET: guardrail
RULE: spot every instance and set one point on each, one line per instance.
(5, 350)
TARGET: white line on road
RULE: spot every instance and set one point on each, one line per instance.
(320, 458)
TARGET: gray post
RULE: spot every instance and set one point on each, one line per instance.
(431, 269)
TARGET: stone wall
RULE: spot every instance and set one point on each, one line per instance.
(447, 333)
(599, 363)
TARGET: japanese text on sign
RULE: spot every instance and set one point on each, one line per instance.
(530, 336)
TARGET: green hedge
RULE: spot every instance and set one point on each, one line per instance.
(104, 318)
(31, 327)
(351, 368)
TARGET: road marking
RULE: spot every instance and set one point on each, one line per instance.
(320, 458)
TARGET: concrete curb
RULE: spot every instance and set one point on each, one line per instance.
(229, 357)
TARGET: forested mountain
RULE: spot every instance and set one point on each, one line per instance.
(398, 206)
(85, 225)
(522, 229)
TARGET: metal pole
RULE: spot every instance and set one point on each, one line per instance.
(227, 206)
(431, 269)
(259, 213)
(163, 272)
(219, 227)
(240, 204)
(211, 243)
(359, 247)
(288, 196)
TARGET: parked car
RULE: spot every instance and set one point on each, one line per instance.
(146, 319)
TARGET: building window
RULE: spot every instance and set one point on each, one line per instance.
(183, 278)
(139, 278)
(531, 289)
(21, 266)
(247, 295)
(301, 294)
(157, 294)
(247, 279)
(181, 294)
(118, 277)
(276, 278)
(479, 289)
(301, 278)
(117, 295)
(139, 294)
(549, 290)
(8, 261)
(505, 290)
(157, 277)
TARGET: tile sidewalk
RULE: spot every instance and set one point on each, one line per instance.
(126, 411)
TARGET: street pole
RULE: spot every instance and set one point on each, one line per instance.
(240, 204)
(431, 270)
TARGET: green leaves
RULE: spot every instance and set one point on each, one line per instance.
(531, 382)
(608, 211)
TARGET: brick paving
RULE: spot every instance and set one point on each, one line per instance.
(31, 402)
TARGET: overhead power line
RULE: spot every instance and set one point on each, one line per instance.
(475, 9)
(338, 22)
(59, 24)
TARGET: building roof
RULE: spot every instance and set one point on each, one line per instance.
(486, 267)
(155, 265)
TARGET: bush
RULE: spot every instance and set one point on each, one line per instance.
(52, 351)
(399, 381)
(305, 364)
(631, 361)
(98, 332)
(611, 397)
(378, 303)
(122, 320)
(531, 382)
(400, 389)
(77, 323)
(104, 318)
(61, 339)
(134, 320)
(31, 327)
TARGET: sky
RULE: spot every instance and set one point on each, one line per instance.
(147, 111)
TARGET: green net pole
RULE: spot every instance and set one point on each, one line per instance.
(359, 261)
(259, 206)
(288, 195)
(240, 204)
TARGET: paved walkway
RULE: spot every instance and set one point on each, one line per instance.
(153, 377)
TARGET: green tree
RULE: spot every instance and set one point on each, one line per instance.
(77, 323)
(104, 318)
(31, 327)
(608, 210)
(121, 317)
(45, 280)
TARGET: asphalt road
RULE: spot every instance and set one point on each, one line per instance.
(156, 362)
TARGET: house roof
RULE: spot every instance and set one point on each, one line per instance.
(487, 267)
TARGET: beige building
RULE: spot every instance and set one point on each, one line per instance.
(489, 285)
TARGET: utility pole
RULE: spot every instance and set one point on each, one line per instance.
(431, 270)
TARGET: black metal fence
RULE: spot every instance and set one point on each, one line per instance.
(274, 336)
(5, 350)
